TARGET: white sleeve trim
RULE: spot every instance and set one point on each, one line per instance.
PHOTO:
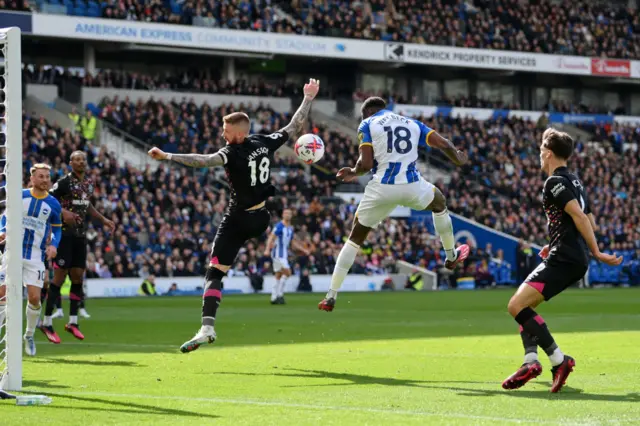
(224, 156)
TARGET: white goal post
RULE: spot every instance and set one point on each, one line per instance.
(11, 202)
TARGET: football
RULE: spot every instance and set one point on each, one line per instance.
(309, 148)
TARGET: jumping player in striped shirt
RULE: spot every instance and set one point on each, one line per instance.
(389, 146)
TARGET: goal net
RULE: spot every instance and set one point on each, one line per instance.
(11, 208)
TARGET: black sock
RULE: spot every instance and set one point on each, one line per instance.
(528, 342)
(52, 295)
(212, 295)
(43, 295)
(59, 302)
(75, 297)
(82, 303)
(533, 324)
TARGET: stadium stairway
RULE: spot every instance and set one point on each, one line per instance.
(36, 107)
(134, 151)
(126, 146)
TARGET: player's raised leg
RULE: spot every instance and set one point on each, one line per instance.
(210, 302)
(234, 230)
(444, 227)
(344, 262)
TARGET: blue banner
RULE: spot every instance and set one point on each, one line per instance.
(479, 235)
(16, 19)
(500, 113)
(580, 118)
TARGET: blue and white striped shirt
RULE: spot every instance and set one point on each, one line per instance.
(284, 235)
(41, 215)
(395, 140)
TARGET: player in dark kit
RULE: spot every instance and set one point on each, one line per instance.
(566, 258)
(74, 192)
(247, 160)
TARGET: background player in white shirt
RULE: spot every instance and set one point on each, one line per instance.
(278, 248)
(389, 148)
(41, 219)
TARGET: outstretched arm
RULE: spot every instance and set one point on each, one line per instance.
(456, 156)
(295, 127)
(585, 227)
(363, 165)
(191, 160)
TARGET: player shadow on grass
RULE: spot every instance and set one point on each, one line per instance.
(43, 384)
(124, 407)
(87, 362)
(355, 379)
(567, 394)
(358, 379)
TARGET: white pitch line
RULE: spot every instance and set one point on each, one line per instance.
(118, 345)
(317, 407)
(341, 351)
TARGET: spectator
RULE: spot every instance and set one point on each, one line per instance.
(414, 281)
(88, 124)
(173, 290)
(75, 118)
(148, 286)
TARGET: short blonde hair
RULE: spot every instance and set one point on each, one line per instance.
(237, 118)
(39, 166)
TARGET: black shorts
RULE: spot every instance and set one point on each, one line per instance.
(72, 253)
(552, 277)
(235, 229)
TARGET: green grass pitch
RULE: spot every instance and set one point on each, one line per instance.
(378, 359)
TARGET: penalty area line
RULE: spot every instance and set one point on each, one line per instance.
(283, 404)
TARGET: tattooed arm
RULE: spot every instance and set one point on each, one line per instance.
(295, 128)
(191, 160)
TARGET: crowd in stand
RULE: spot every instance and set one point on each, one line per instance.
(570, 28)
(186, 127)
(503, 169)
(167, 218)
(197, 80)
(15, 5)
(209, 81)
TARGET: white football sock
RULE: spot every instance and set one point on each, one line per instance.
(33, 313)
(556, 357)
(444, 228)
(274, 290)
(344, 262)
(48, 322)
(73, 319)
(530, 357)
(207, 330)
(281, 285)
